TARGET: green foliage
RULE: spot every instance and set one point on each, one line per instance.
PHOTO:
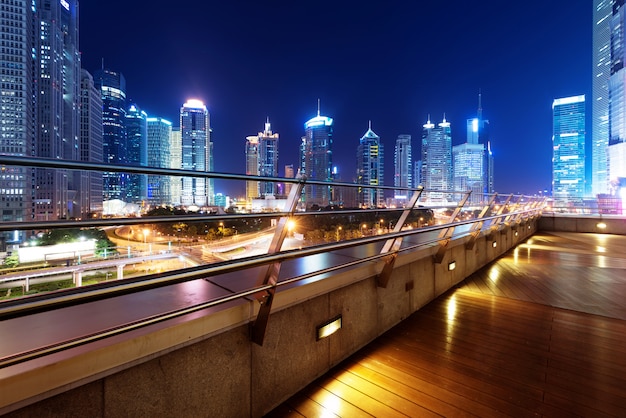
(11, 261)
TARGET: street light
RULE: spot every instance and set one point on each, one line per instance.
(338, 231)
(363, 229)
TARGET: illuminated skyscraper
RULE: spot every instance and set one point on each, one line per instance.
(176, 162)
(617, 99)
(316, 153)
(437, 159)
(18, 113)
(91, 143)
(602, 12)
(135, 189)
(472, 162)
(252, 168)
(568, 145)
(403, 164)
(370, 170)
(265, 163)
(268, 159)
(196, 153)
(112, 86)
(58, 94)
(159, 155)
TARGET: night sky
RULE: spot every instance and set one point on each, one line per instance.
(391, 62)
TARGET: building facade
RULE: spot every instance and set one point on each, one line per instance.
(91, 143)
(159, 156)
(135, 189)
(403, 167)
(568, 145)
(268, 159)
(436, 162)
(601, 69)
(176, 162)
(112, 86)
(316, 151)
(18, 72)
(57, 192)
(253, 190)
(196, 154)
(617, 99)
(370, 170)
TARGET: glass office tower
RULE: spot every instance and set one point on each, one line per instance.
(268, 159)
(403, 165)
(136, 154)
(617, 100)
(568, 144)
(436, 162)
(18, 113)
(159, 155)
(602, 12)
(91, 143)
(57, 192)
(316, 151)
(370, 170)
(112, 86)
(196, 153)
(253, 190)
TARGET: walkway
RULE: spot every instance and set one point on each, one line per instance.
(539, 332)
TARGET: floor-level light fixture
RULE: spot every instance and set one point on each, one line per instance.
(329, 327)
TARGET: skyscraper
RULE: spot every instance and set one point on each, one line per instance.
(112, 86)
(135, 189)
(18, 112)
(370, 170)
(91, 142)
(262, 160)
(268, 159)
(57, 191)
(196, 153)
(176, 162)
(159, 142)
(316, 151)
(617, 99)
(472, 163)
(403, 164)
(253, 190)
(568, 145)
(602, 12)
(437, 159)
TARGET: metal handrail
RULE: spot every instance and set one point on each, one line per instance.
(83, 295)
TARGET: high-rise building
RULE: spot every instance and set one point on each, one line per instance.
(617, 99)
(253, 190)
(403, 164)
(316, 151)
(135, 189)
(472, 161)
(112, 86)
(289, 174)
(370, 170)
(437, 160)
(18, 112)
(91, 143)
(159, 155)
(601, 69)
(176, 162)
(262, 160)
(268, 159)
(57, 191)
(196, 153)
(568, 145)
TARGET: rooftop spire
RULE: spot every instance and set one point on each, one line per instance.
(318, 107)
(370, 125)
(480, 105)
(268, 126)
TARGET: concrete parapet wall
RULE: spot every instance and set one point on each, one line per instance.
(224, 374)
(606, 224)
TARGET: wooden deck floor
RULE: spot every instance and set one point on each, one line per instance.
(539, 332)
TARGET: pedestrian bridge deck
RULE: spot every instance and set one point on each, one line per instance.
(539, 332)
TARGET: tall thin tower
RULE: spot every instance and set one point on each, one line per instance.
(602, 12)
(196, 153)
(403, 176)
(316, 158)
(370, 170)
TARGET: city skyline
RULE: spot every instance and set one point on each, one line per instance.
(389, 63)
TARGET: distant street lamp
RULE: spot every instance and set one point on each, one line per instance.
(338, 231)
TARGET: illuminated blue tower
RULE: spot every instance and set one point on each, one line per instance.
(136, 153)
(568, 145)
(436, 163)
